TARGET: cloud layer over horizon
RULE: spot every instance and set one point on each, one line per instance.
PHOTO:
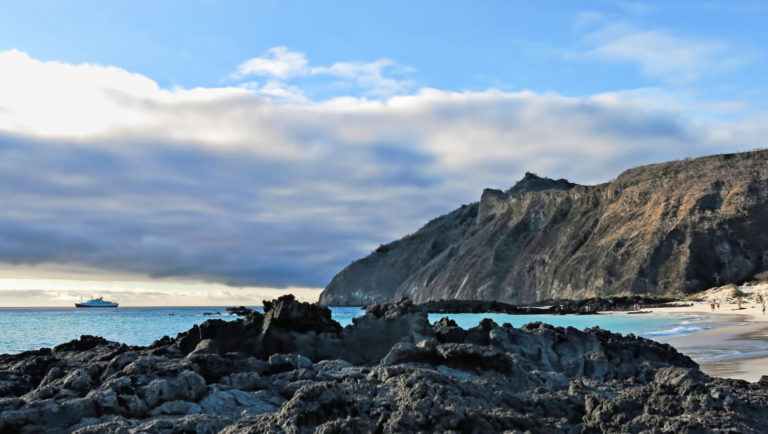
(264, 184)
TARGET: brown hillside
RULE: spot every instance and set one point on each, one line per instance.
(667, 228)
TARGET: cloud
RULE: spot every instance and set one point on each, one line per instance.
(60, 99)
(281, 65)
(279, 62)
(64, 292)
(675, 59)
(368, 75)
(229, 185)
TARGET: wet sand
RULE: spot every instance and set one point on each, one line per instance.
(737, 351)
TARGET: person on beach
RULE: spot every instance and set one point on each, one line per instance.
(718, 304)
(712, 306)
(763, 308)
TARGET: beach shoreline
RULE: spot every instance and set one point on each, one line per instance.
(743, 348)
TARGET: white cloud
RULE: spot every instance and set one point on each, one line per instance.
(278, 62)
(59, 99)
(675, 59)
(102, 168)
(662, 100)
(280, 91)
(282, 65)
(368, 75)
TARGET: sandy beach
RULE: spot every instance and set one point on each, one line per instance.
(744, 347)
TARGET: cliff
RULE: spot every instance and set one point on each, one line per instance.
(663, 229)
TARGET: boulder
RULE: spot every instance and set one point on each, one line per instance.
(78, 380)
(187, 386)
(206, 346)
(235, 403)
(288, 314)
(446, 331)
(288, 362)
(176, 407)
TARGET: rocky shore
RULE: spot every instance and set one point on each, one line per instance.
(587, 306)
(296, 370)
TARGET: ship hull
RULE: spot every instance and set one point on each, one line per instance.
(93, 307)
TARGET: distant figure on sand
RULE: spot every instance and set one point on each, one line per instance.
(739, 301)
(718, 304)
(712, 306)
(763, 308)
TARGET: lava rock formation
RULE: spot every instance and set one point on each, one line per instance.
(295, 370)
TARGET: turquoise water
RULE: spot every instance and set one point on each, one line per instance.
(645, 325)
(24, 329)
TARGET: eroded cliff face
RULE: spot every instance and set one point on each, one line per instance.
(663, 229)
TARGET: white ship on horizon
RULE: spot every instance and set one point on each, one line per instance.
(96, 302)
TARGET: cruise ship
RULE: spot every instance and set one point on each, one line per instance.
(96, 302)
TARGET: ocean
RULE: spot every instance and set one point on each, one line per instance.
(23, 329)
(646, 325)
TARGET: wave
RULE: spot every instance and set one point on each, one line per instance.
(680, 330)
(716, 354)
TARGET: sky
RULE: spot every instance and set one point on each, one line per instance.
(218, 153)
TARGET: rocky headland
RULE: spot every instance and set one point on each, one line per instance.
(667, 229)
(296, 370)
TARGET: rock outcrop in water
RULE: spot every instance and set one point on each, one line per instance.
(589, 306)
(663, 229)
(296, 370)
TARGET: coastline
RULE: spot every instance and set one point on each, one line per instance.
(732, 344)
(733, 351)
(294, 369)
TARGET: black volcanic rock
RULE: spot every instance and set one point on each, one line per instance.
(86, 342)
(586, 306)
(391, 371)
(239, 311)
(477, 306)
(664, 229)
(288, 314)
(598, 304)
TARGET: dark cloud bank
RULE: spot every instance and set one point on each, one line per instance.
(251, 214)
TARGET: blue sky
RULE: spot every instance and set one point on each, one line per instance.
(268, 144)
(538, 46)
